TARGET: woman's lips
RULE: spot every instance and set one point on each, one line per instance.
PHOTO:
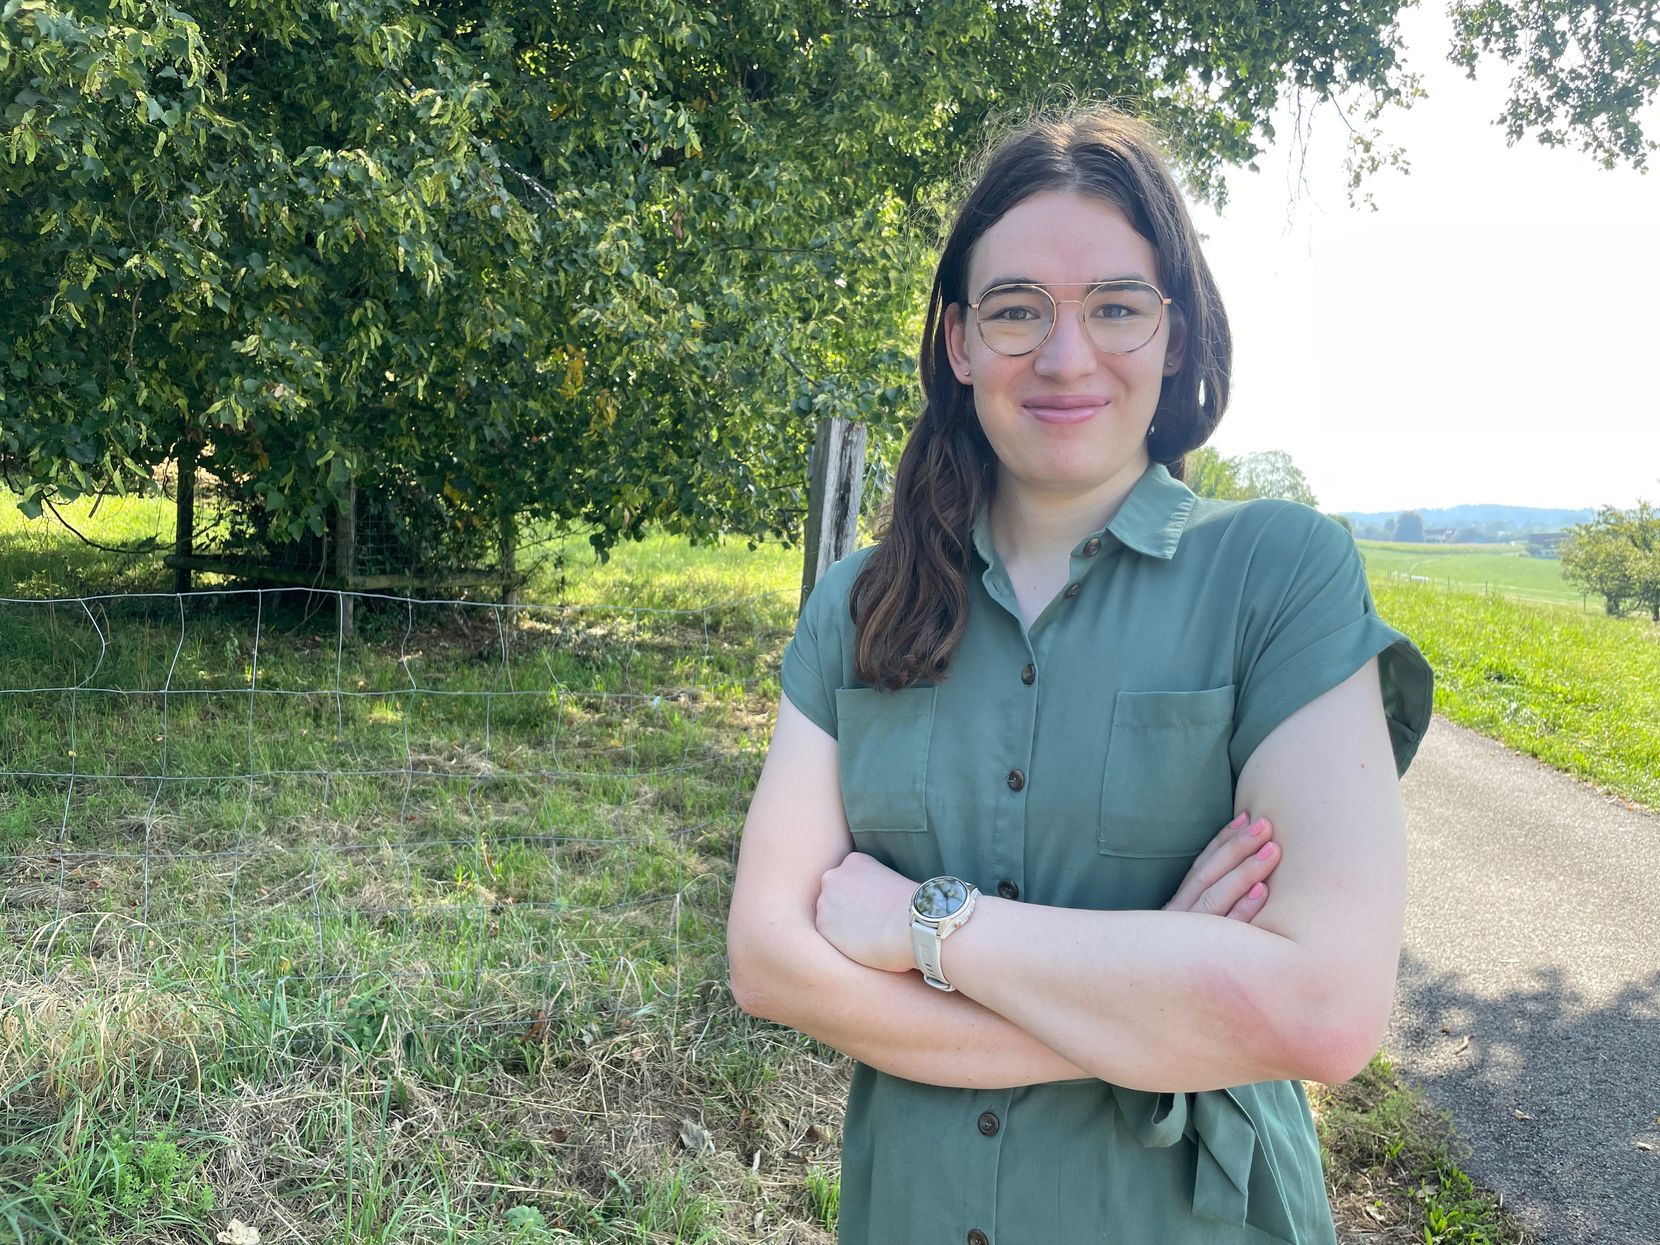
(1057, 410)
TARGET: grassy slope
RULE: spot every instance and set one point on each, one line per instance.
(1579, 691)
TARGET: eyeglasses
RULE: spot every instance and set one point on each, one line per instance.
(1119, 316)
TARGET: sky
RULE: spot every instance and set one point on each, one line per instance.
(1489, 334)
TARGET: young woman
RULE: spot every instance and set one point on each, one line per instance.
(982, 856)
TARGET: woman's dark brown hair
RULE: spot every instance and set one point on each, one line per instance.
(910, 600)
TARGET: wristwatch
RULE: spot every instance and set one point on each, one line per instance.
(939, 907)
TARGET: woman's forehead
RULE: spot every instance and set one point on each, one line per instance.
(1060, 237)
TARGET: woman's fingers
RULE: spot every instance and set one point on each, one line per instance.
(1247, 908)
(1223, 875)
(1209, 865)
(1235, 893)
(1223, 836)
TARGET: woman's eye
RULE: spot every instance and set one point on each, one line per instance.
(1116, 311)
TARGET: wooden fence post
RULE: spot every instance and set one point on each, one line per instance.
(508, 551)
(345, 555)
(836, 475)
(184, 528)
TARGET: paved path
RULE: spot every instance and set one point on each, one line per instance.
(1533, 931)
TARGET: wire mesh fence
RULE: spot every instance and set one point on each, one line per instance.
(474, 815)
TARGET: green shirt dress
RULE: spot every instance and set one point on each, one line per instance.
(1084, 763)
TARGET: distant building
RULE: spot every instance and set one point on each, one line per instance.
(1439, 535)
(1545, 544)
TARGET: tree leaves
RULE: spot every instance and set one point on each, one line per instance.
(598, 264)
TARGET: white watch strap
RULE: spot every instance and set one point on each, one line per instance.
(925, 945)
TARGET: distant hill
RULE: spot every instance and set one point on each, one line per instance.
(1515, 518)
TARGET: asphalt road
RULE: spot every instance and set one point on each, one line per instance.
(1529, 998)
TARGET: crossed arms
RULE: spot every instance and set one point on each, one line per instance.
(1165, 1000)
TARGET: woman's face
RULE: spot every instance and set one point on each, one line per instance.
(1068, 419)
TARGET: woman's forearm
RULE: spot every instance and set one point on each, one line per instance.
(894, 1022)
(1153, 1000)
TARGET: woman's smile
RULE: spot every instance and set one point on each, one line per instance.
(1065, 408)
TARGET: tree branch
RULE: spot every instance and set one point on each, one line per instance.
(150, 546)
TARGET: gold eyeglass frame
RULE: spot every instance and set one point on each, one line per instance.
(1057, 304)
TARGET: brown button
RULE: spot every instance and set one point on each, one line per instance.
(1028, 674)
(1092, 546)
(977, 1237)
(1008, 890)
(1071, 591)
(1017, 780)
(988, 1124)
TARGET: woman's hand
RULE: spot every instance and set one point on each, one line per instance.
(1229, 878)
(864, 911)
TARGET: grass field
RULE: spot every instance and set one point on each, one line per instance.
(1579, 691)
(418, 937)
(413, 938)
(1503, 569)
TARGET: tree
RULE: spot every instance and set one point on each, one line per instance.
(1409, 526)
(1617, 555)
(1584, 73)
(1271, 473)
(1347, 523)
(577, 261)
(1209, 474)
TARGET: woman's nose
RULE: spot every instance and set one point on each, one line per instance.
(1068, 351)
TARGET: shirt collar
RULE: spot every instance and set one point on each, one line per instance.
(1151, 519)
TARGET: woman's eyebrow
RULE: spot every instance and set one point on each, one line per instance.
(1015, 280)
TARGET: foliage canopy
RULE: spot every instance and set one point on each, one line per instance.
(1265, 473)
(1617, 555)
(576, 261)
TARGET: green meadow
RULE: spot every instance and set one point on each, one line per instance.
(418, 936)
(1578, 690)
(1504, 569)
(413, 937)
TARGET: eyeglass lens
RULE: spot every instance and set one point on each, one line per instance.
(1119, 317)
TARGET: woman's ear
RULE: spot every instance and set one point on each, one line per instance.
(956, 343)
(1175, 349)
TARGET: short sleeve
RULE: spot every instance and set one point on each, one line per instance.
(816, 656)
(1310, 624)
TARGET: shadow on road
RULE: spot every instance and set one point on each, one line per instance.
(1556, 1094)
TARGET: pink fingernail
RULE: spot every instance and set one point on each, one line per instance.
(1256, 891)
(1257, 829)
(1238, 821)
(1265, 851)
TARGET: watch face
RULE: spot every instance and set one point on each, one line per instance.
(938, 898)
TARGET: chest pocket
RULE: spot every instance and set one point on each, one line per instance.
(882, 741)
(1168, 786)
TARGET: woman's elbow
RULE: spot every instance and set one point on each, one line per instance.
(1339, 1040)
(749, 991)
(752, 975)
